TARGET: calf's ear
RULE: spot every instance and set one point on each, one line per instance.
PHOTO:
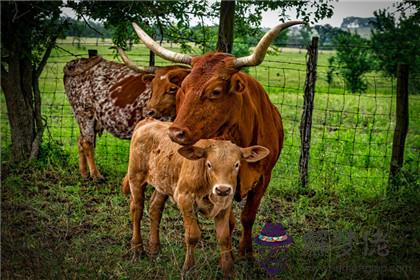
(147, 78)
(177, 76)
(192, 152)
(254, 153)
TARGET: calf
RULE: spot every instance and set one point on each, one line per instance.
(201, 177)
(112, 96)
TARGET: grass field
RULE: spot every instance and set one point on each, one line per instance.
(54, 225)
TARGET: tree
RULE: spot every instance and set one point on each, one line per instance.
(159, 18)
(353, 59)
(29, 32)
(395, 40)
(247, 16)
(327, 34)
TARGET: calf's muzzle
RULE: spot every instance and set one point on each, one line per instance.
(222, 190)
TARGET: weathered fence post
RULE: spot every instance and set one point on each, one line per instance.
(308, 105)
(92, 53)
(401, 124)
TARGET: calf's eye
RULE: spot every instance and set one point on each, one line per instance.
(208, 165)
(237, 164)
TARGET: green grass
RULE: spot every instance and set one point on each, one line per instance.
(54, 225)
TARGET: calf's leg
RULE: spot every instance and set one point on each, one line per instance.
(192, 230)
(248, 216)
(224, 237)
(137, 188)
(157, 204)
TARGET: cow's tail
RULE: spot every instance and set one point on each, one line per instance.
(125, 186)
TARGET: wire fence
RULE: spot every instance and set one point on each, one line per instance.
(352, 134)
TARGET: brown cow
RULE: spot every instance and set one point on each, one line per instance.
(112, 96)
(217, 100)
(201, 177)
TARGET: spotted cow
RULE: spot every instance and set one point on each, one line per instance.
(106, 95)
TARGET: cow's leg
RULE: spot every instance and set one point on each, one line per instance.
(192, 230)
(89, 151)
(137, 188)
(82, 158)
(224, 237)
(248, 216)
(231, 222)
(157, 204)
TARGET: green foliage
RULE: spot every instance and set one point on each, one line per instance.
(34, 24)
(396, 40)
(384, 37)
(352, 60)
(327, 34)
(173, 19)
(87, 29)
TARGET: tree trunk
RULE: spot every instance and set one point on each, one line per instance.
(17, 88)
(225, 35)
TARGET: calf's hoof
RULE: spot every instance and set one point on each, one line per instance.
(154, 249)
(188, 264)
(136, 251)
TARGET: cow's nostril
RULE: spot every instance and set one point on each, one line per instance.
(223, 190)
(151, 113)
(177, 135)
(180, 135)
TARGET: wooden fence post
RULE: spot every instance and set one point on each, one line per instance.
(401, 124)
(308, 105)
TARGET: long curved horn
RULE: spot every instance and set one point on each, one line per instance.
(159, 50)
(261, 49)
(130, 64)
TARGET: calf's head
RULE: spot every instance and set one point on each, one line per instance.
(165, 84)
(210, 98)
(222, 160)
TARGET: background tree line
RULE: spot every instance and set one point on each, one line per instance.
(30, 31)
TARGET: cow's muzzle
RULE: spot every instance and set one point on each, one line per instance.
(180, 136)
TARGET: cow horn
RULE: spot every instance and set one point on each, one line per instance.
(261, 49)
(130, 64)
(159, 50)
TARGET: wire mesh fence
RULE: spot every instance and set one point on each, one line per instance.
(351, 132)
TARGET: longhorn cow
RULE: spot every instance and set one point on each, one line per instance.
(217, 100)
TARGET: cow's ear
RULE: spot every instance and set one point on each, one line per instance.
(177, 76)
(237, 84)
(192, 152)
(254, 153)
(147, 78)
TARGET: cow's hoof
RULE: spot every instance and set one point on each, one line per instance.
(98, 178)
(249, 257)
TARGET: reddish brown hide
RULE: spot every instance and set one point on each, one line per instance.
(216, 100)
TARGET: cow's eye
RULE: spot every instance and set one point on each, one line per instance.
(173, 90)
(216, 93)
(208, 165)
